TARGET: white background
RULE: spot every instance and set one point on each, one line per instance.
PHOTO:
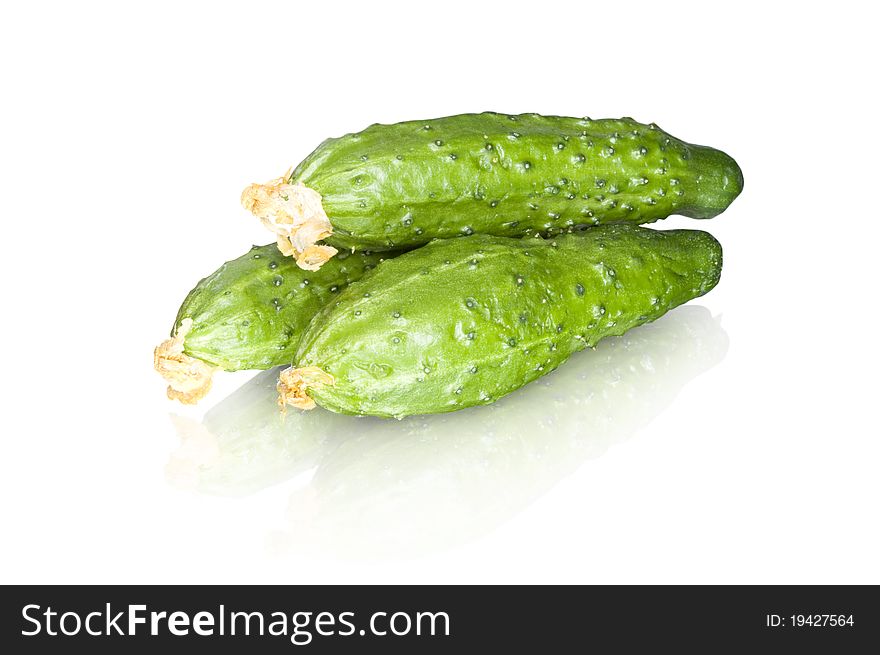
(741, 449)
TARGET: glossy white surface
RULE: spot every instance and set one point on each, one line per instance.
(734, 440)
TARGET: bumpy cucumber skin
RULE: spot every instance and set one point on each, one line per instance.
(252, 311)
(408, 183)
(462, 322)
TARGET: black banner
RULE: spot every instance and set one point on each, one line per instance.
(437, 619)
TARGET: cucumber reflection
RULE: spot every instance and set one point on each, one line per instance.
(384, 487)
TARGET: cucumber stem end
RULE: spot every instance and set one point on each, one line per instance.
(293, 383)
(189, 379)
(295, 214)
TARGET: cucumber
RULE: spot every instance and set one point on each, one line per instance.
(406, 184)
(249, 314)
(462, 322)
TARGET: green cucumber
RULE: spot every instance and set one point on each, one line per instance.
(406, 184)
(249, 314)
(462, 322)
